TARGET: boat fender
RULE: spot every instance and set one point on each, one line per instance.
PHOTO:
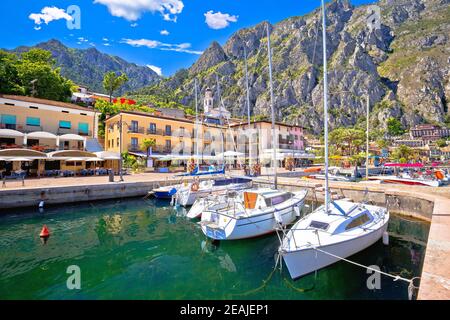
(439, 175)
(386, 238)
(41, 204)
(277, 216)
(297, 211)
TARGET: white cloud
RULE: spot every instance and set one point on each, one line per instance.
(105, 39)
(153, 44)
(82, 39)
(219, 20)
(92, 44)
(158, 70)
(37, 28)
(132, 10)
(107, 44)
(49, 14)
(133, 25)
(164, 32)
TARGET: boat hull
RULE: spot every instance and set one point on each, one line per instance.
(164, 194)
(302, 262)
(250, 227)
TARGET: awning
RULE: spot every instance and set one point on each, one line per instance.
(19, 159)
(71, 136)
(26, 153)
(41, 135)
(76, 159)
(107, 155)
(64, 154)
(94, 159)
(10, 133)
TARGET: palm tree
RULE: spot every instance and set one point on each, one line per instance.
(147, 144)
(112, 82)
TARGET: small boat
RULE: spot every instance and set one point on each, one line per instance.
(408, 180)
(331, 177)
(165, 192)
(252, 213)
(316, 241)
(195, 190)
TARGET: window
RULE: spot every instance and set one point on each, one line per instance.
(134, 126)
(64, 111)
(117, 142)
(134, 142)
(83, 114)
(83, 128)
(65, 124)
(9, 104)
(168, 130)
(33, 107)
(358, 221)
(152, 128)
(278, 199)
(8, 121)
(168, 144)
(35, 122)
(319, 225)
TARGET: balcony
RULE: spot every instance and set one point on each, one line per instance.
(83, 133)
(157, 132)
(140, 130)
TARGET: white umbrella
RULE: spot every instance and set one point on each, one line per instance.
(19, 159)
(94, 159)
(76, 159)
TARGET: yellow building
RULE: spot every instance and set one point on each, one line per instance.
(51, 135)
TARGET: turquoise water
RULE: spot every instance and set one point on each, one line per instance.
(136, 249)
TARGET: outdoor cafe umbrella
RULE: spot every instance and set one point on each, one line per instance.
(18, 159)
(94, 159)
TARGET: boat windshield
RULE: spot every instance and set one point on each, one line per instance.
(358, 221)
(319, 225)
(273, 201)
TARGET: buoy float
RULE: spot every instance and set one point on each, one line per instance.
(41, 204)
(45, 233)
(385, 238)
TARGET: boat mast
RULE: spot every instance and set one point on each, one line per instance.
(248, 91)
(325, 104)
(196, 124)
(269, 53)
(367, 137)
(248, 104)
(219, 108)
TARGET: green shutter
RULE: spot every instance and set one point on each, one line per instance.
(83, 127)
(8, 119)
(31, 121)
(65, 124)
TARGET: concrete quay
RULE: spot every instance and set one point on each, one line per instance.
(429, 204)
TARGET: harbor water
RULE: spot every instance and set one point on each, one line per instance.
(138, 249)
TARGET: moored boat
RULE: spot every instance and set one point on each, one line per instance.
(252, 213)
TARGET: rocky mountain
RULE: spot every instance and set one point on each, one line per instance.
(87, 67)
(403, 67)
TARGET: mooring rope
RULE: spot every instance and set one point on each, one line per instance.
(411, 286)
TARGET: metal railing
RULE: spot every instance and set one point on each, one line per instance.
(136, 130)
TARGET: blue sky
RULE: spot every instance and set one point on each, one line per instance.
(132, 29)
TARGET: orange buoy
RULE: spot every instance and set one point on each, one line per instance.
(45, 233)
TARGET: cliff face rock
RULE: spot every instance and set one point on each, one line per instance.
(403, 67)
(87, 67)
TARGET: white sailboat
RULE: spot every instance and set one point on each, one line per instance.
(257, 211)
(335, 230)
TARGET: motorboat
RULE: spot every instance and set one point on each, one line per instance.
(407, 179)
(195, 190)
(252, 213)
(322, 238)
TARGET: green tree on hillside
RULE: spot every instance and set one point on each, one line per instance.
(40, 78)
(394, 127)
(10, 82)
(112, 82)
(403, 154)
(348, 140)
